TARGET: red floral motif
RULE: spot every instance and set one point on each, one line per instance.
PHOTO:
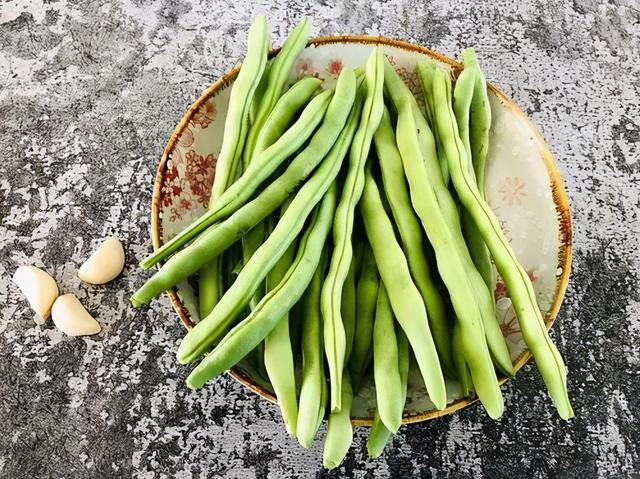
(305, 67)
(512, 190)
(172, 186)
(509, 327)
(186, 138)
(199, 174)
(205, 114)
(334, 67)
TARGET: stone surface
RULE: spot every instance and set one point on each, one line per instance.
(89, 93)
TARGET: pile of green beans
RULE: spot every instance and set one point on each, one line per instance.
(347, 240)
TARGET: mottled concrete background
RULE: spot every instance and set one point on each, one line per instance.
(89, 93)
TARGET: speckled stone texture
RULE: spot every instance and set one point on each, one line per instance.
(89, 93)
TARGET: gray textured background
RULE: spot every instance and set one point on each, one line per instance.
(89, 93)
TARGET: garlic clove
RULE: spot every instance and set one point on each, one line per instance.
(71, 318)
(105, 264)
(39, 288)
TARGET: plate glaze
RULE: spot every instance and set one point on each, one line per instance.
(524, 188)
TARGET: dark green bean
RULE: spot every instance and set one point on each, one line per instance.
(534, 331)
(408, 306)
(245, 336)
(213, 326)
(334, 332)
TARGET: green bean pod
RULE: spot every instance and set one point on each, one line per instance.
(311, 406)
(263, 166)
(379, 435)
(348, 308)
(464, 376)
(284, 112)
(235, 132)
(404, 100)
(395, 187)
(339, 429)
(534, 331)
(278, 353)
(334, 334)
(209, 330)
(246, 335)
(218, 237)
(385, 365)
(454, 266)
(406, 301)
(276, 76)
(462, 99)
(366, 296)
(480, 119)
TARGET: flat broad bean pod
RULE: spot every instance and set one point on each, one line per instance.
(235, 132)
(220, 236)
(260, 169)
(389, 399)
(278, 353)
(406, 301)
(246, 335)
(379, 435)
(339, 430)
(276, 76)
(548, 359)
(211, 328)
(334, 334)
(411, 236)
(453, 265)
(366, 297)
(403, 99)
(311, 405)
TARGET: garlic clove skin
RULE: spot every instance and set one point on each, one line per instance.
(105, 264)
(39, 288)
(71, 318)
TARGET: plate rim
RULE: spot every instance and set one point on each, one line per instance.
(560, 199)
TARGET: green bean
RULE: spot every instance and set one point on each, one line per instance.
(274, 127)
(428, 101)
(334, 333)
(379, 434)
(213, 326)
(348, 308)
(534, 331)
(278, 353)
(235, 132)
(464, 376)
(453, 265)
(385, 365)
(263, 166)
(284, 112)
(276, 77)
(339, 429)
(400, 95)
(406, 302)
(246, 335)
(366, 295)
(480, 119)
(462, 98)
(311, 406)
(217, 238)
(395, 187)
(242, 91)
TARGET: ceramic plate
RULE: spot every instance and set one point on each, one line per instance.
(523, 187)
